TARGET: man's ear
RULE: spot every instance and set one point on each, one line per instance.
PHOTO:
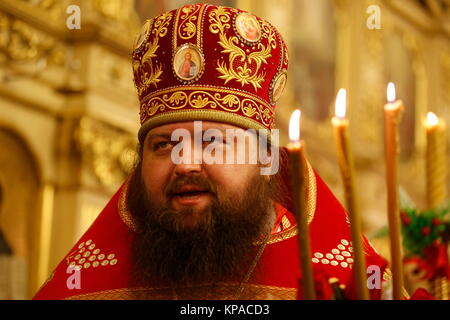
(269, 161)
(266, 166)
(268, 152)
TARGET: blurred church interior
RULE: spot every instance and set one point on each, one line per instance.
(69, 110)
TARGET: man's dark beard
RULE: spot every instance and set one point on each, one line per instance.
(218, 248)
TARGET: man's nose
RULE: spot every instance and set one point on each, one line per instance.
(187, 168)
(192, 164)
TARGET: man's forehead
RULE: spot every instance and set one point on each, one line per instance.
(189, 125)
(167, 129)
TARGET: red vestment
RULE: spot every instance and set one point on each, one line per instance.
(105, 248)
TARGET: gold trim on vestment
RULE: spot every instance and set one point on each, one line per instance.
(311, 198)
(387, 276)
(285, 222)
(124, 212)
(221, 291)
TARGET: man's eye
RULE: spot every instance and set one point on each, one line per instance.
(163, 145)
(215, 140)
(211, 140)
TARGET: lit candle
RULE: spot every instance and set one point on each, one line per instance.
(392, 112)
(340, 125)
(436, 161)
(297, 162)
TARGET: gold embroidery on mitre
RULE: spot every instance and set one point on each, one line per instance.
(188, 23)
(231, 101)
(269, 33)
(242, 67)
(188, 28)
(88, 255)
(146, 71)
(285, 55)
(143, 35)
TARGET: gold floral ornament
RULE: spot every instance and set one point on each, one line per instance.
(242, 66)
(188, 24)
(147, 72)
(143, 35)
(107, 152)
(188, 63)
(187, 28)
(215, 98)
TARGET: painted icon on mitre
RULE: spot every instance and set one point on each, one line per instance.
(188, 62)
(248, 27)
(278, 86)
(143, 34)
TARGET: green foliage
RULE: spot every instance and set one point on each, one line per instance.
(421, 229)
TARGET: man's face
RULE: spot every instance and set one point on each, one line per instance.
(197, 222)
(190, 188)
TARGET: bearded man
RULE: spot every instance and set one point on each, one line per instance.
(197, 229)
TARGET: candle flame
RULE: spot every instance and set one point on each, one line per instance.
(432, 119)
(294, 126)
(341, 101)
(390, 92)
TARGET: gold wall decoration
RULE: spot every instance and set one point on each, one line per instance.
(113, 71)
(116, 15)
(367, 118)
(445, 81)
(19, 41)
(44, 4)
(54, 8)
(106, 150)
(119, 10)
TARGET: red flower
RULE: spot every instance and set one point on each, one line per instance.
(406, 220)
(425, 231)
(436, 222)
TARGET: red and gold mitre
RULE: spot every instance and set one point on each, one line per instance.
(206, 62)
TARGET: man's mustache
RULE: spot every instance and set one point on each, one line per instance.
(199, 182)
